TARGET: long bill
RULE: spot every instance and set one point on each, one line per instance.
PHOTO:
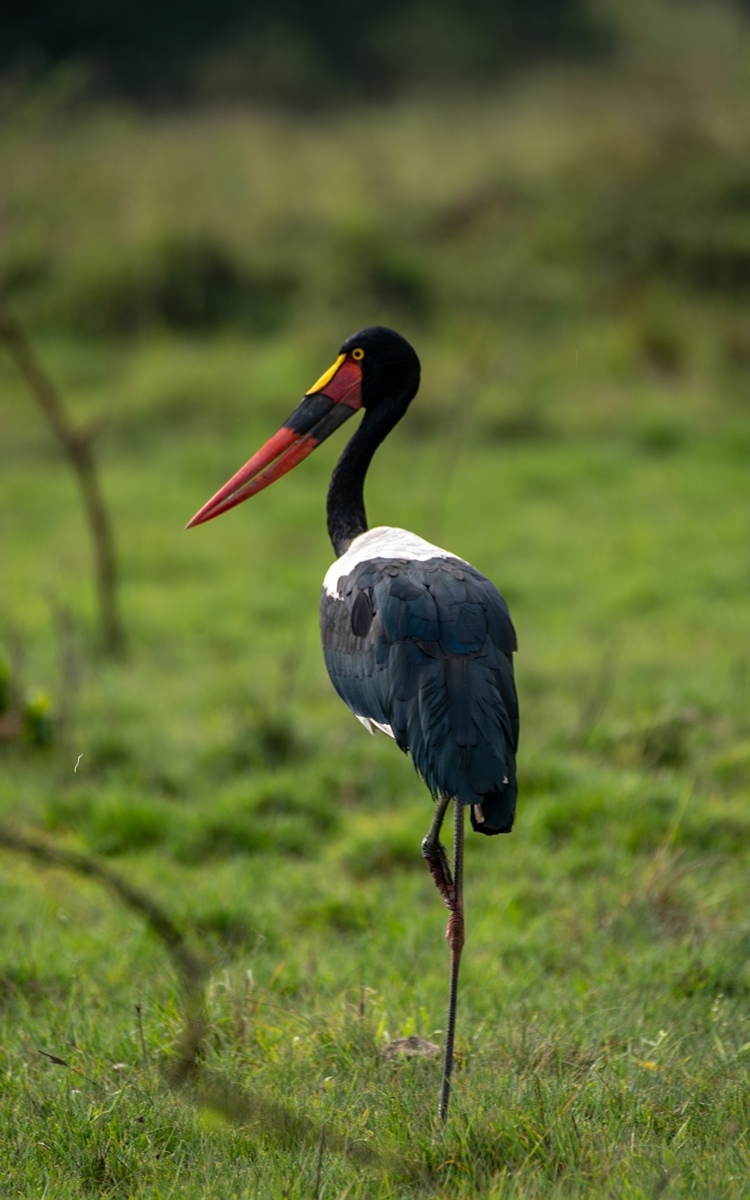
(335, 397)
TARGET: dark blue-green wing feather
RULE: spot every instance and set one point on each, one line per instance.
(426, 648)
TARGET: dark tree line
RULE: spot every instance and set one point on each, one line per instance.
(304, 51)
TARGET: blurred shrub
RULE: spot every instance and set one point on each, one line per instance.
(659, 741)
(391, 848)
(38, 721)
(23, 984)
(26, 714)
(111, 820)
(229, 927)
(737, 344)
(715, 974)
(663, 341)
(189, 284)
(684, 218)
(5, 685)
(520, 422)
(258, 739)
(712, 833)
(273, 816)
(291, 50)
(349, 914)
(69, 810)
(586, 815)
(124, 825)
(279, 814)
(732, 766)
(108, 750)
(582, 815)
(542, 776)
(25, 270)
(660, 435)
(383, 273)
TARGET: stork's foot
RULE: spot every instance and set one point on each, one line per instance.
(436, 857)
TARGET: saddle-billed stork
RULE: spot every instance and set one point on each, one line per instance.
(416, 641)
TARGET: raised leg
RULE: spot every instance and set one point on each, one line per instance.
(434, 854)
(454, 935)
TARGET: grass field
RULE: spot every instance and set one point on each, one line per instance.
(574, 275)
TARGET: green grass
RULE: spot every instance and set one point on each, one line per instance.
(582, 436)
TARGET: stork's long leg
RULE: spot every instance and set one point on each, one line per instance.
(451, 888)
(436, 857)
(454, 935)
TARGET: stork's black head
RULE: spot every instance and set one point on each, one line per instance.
(376, 369)
(390, 367)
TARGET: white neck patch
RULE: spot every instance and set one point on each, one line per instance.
(384, 541)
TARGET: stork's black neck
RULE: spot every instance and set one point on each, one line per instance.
(347, 518)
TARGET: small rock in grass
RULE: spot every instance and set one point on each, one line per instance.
(411, 1047)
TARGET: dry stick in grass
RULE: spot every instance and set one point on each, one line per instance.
(210, 1090)
(77, 445)
(144, 1051)
(191, 969)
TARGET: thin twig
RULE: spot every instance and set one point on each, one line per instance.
(191, 969)
(77, 445)
(207, 1089)
(144, 1051)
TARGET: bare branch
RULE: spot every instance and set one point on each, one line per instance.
(206, 1088)
(77, 446)
(190, 967)
(191, 970)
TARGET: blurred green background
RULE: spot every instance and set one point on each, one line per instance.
(552, 201)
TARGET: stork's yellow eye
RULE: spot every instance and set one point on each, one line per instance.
(358, 354)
